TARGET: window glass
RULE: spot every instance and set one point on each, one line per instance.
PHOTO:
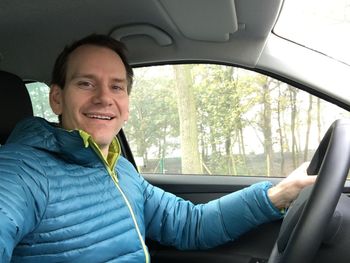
(216, 120)
(39, 94)
(322, 25)
(220, 120)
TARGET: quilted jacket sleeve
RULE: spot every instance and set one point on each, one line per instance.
(23, 197)
(173, 221)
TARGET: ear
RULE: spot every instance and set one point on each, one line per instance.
(56, 94)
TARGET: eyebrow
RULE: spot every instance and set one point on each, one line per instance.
(91, 76)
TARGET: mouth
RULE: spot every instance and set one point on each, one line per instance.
(98, 116)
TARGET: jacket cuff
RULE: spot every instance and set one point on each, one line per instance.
(246, 209)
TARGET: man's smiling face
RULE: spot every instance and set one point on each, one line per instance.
(94, 98)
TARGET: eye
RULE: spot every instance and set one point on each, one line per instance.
(118, 88)
(85, 84)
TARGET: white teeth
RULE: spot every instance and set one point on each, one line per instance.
(99, 117)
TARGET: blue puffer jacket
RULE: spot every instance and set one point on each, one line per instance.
(59, 203)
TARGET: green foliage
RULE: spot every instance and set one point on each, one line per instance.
(153, 120)
(224, 99)
(242, 116)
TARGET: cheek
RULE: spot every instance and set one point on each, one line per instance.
(124, 108)
(126, 111)
(126, 116)
(66, 106)
(70, 108)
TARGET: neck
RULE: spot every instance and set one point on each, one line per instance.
(104, 150)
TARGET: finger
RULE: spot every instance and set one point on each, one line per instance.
(311, 178)
(308, 180)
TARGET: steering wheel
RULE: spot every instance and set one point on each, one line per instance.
(306, 220)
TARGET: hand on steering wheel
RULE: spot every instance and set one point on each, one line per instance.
(303, 227)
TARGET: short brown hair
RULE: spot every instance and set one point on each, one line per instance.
(60, 68)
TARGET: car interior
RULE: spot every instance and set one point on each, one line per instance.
(237, 33)
(16, 99)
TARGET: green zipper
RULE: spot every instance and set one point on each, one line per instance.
(88, 140)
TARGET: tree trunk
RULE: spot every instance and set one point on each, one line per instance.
(204, 149)
(319, 119)
(190, 160)
(280, 131)
(292, 93)
(306, 148)
(267, 127)
(228, 155)
(242, 148)
(141, 147)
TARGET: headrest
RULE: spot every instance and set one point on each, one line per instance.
(15, 103)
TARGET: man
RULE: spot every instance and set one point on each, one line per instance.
(68, 196)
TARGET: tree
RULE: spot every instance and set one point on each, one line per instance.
(267, 127)
(190, 160)
(319, 120)
(281, 107)
(264, 120)
(308, 123)
(153, 115)
(293, 121)
(224, 95)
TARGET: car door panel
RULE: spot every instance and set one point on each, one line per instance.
(254, 246)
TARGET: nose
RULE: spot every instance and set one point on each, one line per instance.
(102, 96)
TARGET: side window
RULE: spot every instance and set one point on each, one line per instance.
(39, 94)
(216, 120)
(221, 120)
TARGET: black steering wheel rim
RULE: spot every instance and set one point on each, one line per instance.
(331, 163)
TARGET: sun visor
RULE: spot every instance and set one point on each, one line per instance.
(158, 35)
(204, 20)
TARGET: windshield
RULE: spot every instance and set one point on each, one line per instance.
(321, 25)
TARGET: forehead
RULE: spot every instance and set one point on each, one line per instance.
(91, 59)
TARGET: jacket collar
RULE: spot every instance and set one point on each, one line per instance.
(68, 145)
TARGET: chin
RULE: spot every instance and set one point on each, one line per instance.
(102, 141)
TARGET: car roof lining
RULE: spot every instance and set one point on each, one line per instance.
(207, 20)
(22, 44)
(29, 49)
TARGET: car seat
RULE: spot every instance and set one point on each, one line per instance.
(15, 103)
